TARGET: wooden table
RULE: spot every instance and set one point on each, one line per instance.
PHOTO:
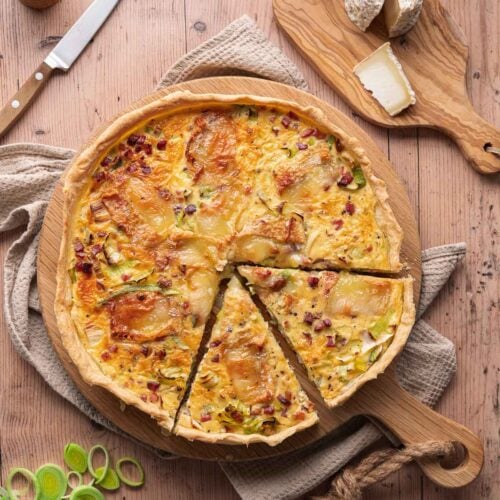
(453, 203)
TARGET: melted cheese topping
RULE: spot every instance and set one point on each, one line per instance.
(244, 384)
(171, 203)
(339, 324)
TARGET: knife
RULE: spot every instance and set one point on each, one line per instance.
(62, 57)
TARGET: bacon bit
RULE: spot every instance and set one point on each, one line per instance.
(154, 397)
(78, 246)
(215, 343)
(138, 149)
(146, 169)
(141, 139)
(144, 397)
(161, 354)
(105, 356)
(369, 248)
(161, 145)
(99, 176)
(327, 322)
(338, 223)
(164, 283)
(308, 318)
(216, 358)
(102, 234)
(132, 140)
(127, 154)
(121, 146)
(113, 348)
(125, 277)
(132, 168)
(177, 209)
(346, 179)
(285, 121)
(313, 281)
(319, 326)
(256, 411)
(330, 341)
(165, 193)
(153, 385)
(299, 415)
(292, 115)
(95, 249)
(350, 208)
(145, 350)
(339, 145)
(190, 209)
(301, 146)
(84, 267)
(275, 130)
(277, 284)
(106, 161)
(308, 132)
(148, 148)
(205, 417)
(284, 411)
(319, 135)
(308, 338)
(286, 399)
(268, 410)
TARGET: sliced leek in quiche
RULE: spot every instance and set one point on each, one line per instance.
(244, 390)
(345, 328)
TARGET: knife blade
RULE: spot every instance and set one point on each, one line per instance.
(79, 35)
(61, 58)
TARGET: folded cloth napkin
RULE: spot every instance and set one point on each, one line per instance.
(28, 174)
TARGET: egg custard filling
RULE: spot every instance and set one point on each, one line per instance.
(162, 206)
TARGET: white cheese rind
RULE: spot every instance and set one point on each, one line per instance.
(363, 12)
(401, 15)
(382, 74)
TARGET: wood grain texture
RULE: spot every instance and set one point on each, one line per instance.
(434, 56)
(453, 203)
(140, 425)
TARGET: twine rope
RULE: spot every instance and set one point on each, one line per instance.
(350, 483)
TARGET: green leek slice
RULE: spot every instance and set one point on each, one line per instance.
(126, 480)
(79, 477)
(359, 177)
(110, 481)
(104, 468)
(137, 288)
(52, 482)
(75, 457)
(86, 493)
(28, 475)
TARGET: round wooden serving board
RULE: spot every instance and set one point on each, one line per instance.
(383, 398)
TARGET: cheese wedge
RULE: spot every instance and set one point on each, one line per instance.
(382, 74)
(401, 15)
(363, 12)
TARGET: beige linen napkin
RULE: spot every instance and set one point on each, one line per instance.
(28, 174)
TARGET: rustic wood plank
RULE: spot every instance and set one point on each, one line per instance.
(128, 73)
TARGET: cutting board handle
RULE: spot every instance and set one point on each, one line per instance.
(473, 135)
(413, 422)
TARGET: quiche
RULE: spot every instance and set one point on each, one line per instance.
(345, 328)
(244, 390)
(162, 204)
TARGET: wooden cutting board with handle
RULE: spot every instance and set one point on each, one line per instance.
(433, 54)
(383, 398)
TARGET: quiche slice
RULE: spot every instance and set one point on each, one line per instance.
(345, 328)
(244, 390)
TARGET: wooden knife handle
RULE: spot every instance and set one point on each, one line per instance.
(18, 104)
(413, 422)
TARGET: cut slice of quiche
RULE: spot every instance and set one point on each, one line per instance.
(244, 390)
(345, 328)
